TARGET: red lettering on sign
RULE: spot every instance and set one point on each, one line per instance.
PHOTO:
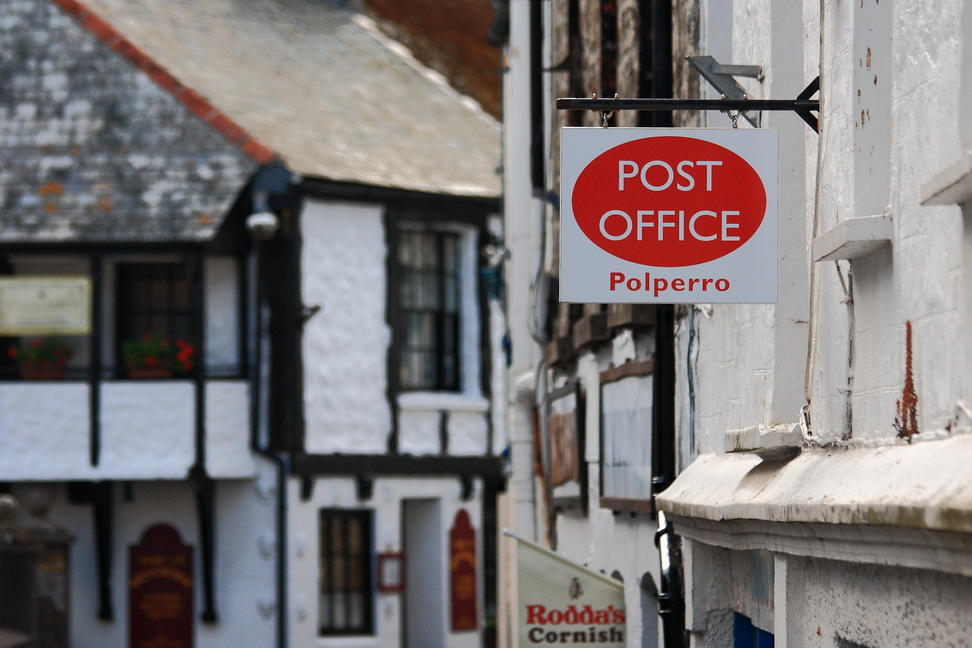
(668, 202)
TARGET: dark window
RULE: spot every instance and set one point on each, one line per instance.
(428, 264)
(346, 597)
(154, 301)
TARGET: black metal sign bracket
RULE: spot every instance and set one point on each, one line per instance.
(803, 105)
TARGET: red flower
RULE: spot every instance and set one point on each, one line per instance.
(150, 361)
(184, 356)
(12, 353)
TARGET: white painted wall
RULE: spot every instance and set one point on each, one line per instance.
(386, 504)
(345, 345)
(147, 430)
(916, 62)
(228, 453)
(244, 575)
(895, 91)
(422, 416)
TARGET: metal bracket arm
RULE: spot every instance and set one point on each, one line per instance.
(803, 105)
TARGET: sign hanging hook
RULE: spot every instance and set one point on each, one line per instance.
(605, 114)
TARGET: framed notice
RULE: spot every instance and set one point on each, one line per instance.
(669, 215)
(391, 571)
(160, 590)
(45, 305)
(463, 566)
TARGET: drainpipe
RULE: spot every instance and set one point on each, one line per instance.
(671, 599)
(261, 226)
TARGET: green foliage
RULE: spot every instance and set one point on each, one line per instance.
(41, 349)
(158, 352)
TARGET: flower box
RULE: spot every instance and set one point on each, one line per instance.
(42, 370)
(41, 358)
(157, 357)
(143, 373)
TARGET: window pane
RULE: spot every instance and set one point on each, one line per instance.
(345, 600)
(420, 330)
(431, 302)
(153, 299)
(451, 295)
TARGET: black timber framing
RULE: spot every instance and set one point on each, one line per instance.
(399, 204)
(102, 502)
(279, 273)
(489, 468)
(318, 188)
(101, 498)
(94, 370)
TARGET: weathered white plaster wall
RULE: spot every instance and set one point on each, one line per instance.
(44, 429)
(346, 344)
(873, 606)
(605, 541)
(909, 98)
(424, 416)
(244, 575)
(151, 423)
(467, 433)
(419, 432)
(228, 452)
(750, 358)
(386, 504)
(892, 77)
(147, 430)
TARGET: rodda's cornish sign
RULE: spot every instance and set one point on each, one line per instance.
(669, 215)
(562, 603)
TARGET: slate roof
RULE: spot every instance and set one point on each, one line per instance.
(141, 120)
(321, 88)
(92, 150)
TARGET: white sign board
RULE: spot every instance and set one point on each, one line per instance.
(669, 215)
(564, 603)
(45, 305)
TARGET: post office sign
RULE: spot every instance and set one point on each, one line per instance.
(669, 215)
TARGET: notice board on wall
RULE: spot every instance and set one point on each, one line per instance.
(160, 590)
(462, 573)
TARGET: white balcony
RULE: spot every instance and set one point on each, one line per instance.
(147, 430)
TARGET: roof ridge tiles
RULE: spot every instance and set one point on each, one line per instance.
(189, 98)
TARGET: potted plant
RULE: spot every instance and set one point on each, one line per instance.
(155, 356)
(41, 358)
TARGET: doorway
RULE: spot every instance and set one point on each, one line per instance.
(424, 602)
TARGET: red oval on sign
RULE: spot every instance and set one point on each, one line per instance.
(669, 201)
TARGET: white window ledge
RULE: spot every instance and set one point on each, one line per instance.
(950, 186)
(853, 238)
(439, 401)
(769, 442)
(919, 486)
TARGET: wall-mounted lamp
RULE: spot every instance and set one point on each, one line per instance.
(262, 225)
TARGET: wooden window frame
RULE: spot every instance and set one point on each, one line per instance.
(444, 320)
(168, 271)
(642, 506)
(326, 556)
